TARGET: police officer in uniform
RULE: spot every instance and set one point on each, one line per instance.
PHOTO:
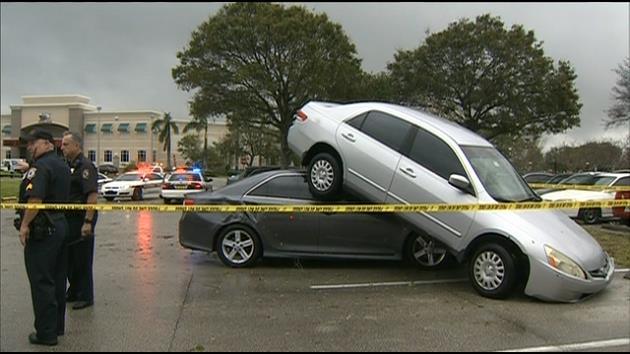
(83, 190)
(43, 235)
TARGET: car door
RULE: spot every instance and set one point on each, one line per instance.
(154, 184)
(285, 232)
(422, 177)
(361, 234)
(370, 144)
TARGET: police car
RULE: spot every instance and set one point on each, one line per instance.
(135, 185)
(182, 182)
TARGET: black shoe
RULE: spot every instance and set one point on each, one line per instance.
(33, 339)
(82, 304)
(70, 298)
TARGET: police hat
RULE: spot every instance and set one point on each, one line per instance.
(37, 134)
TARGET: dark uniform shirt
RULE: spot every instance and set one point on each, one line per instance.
(83, 179)
(47, 179)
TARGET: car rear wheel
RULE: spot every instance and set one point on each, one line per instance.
(324, 176)
(137, 194)
(426, 252)
(591, 216)
(492, 271)
(238, 247)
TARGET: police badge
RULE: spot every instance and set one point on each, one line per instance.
(86, 174)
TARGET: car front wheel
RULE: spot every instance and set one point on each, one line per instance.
(324, 176)
(137, 194)
(492, 271)
(238, 247)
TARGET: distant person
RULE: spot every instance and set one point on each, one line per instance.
(83, 190)
(43, 235)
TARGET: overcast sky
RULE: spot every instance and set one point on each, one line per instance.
(121, 54)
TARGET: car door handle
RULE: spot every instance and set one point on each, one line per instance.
(409, 172)
(349, 136)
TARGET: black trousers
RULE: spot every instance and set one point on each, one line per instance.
(46, 263)
(80, 261)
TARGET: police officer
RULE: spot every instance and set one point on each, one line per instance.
(43, 235)
(83, 189)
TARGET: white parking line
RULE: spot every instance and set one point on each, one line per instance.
(572, 347)
(622, 270)
(396, 283)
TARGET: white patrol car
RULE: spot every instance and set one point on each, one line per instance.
(134, 185)
(180, 183)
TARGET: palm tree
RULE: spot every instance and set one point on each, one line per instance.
(165, 127)
(199, 123)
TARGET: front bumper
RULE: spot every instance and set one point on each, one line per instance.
(547, 283)
(117, 193)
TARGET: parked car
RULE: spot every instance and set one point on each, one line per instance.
(591, 215)
(537, 177)
(249, 171)
(622, 213)
(102, 179)
(180, 183)
(391, 154)
(108, 168)
(581, 179)
(134, 185)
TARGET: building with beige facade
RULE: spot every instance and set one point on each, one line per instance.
(117, 137)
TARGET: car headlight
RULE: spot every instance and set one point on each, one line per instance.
(563, 263)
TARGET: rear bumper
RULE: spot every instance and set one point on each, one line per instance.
(178, 193)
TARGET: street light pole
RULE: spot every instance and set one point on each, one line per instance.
(151, 132)
(98, 138)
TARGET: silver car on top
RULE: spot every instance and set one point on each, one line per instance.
(393, 154)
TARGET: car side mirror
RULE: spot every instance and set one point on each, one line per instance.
(146, 179)
(461, 182)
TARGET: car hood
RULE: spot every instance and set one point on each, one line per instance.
(123, 184)
(579, 195)
(555, 229)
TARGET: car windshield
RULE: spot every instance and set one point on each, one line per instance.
(584, 180)
(185, 177)
(129, 178)
(497, 175)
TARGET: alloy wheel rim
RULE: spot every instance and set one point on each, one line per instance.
(322, 175)
(238, 246)
(427, 252)
(489, 270)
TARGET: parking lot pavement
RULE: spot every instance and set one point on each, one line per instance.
(151, 294)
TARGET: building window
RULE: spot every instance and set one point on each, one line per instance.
(142, 156)
(108, 156)
(154, 156)
(123, 128)
(90, 128)
(141, 128)
(124, 156)
(107, 128)
(6, 130)
(8, 154)
(92, 155)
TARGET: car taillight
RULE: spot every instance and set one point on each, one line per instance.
(301, 116)
(189, 202)
(196, 186)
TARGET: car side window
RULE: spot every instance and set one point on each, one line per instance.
(154, 177)
(435, 155)
(289, 187)
(623, 182)
(357, 121)
(387, 129)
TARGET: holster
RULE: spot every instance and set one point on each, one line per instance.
(42, 227)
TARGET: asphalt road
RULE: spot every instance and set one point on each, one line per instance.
(153, 295)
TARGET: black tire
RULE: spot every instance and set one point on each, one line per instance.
(167, 201)
(591, 216)
(137, 194)
(424, 252)
(493, 271)
(324, 176)
(241, 255)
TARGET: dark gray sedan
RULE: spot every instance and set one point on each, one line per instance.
(240, 239)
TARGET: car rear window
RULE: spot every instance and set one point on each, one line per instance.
(185, 177)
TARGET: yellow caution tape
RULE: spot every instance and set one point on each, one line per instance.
(580, 187)
(351, 208)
